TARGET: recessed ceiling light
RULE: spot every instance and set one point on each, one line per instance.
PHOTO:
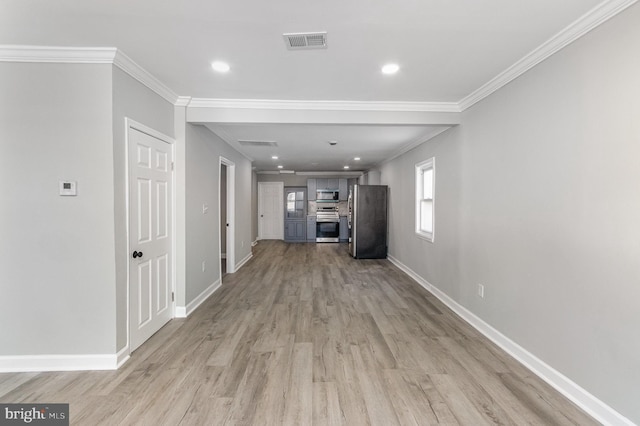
(390, 69)
(220, 66)
(279, 167)
(356, 159)
(346, 167)
(274, 157)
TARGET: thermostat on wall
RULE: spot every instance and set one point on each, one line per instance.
(67, 187)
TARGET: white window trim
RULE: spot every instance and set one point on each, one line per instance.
(420, 167)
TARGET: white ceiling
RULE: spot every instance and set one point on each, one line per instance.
(306, 147)
(447, 49)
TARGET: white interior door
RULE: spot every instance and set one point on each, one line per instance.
(270, 210)
(150, 235)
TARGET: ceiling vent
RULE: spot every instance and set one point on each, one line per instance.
(264, 144)
(305, 41)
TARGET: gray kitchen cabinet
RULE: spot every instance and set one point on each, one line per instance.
(295, 230)
(344, 189)
(322, 183)
(295, 203)
(311, 228)
(311, 189)
(344, 229)
(314, 185)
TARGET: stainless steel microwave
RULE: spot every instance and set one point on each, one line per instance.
(327, 195)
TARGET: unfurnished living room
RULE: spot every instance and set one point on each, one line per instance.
(292, 213)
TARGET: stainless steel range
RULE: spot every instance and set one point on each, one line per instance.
(327, 223)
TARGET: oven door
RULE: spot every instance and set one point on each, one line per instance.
(327, 231)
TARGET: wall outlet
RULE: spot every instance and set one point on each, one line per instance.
(481, 290)
(204, 265)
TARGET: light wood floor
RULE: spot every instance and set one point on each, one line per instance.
(302, 335)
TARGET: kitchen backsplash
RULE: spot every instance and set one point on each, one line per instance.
(343, 208)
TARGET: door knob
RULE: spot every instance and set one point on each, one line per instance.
(137, 254)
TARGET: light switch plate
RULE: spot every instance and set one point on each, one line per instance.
(68, 188)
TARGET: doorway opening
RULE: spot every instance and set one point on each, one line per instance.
(227, 217)
(223, 219)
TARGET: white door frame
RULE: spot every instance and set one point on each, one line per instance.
(134, 125)
(231, 218)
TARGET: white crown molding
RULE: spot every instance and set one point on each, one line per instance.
(127, 65)
(59, 55)
(325, 105)
(182, 101)
(574, 31)
(104, 55)
(583, 399)
(86, 55)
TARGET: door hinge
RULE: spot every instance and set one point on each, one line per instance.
(172, 166)
(173, 296)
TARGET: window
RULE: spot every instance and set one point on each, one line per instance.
(425, 185)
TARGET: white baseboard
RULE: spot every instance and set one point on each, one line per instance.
(253, 244)
(185, 311)
(579, 396)
(243, 261)
(37, 363)
(223, 256)
(122, 356)
(181, 312)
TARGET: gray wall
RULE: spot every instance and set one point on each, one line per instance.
(57, 266)
(203, 182)
(133, 100)
(537, 198)
(63, 260)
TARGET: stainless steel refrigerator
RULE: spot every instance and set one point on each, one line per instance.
(368, 221)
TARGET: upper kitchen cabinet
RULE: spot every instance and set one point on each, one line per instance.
(340, 185)
(330, 184)
(311, 189)
(344, 189)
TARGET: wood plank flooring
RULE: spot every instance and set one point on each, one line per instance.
(305, 335)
